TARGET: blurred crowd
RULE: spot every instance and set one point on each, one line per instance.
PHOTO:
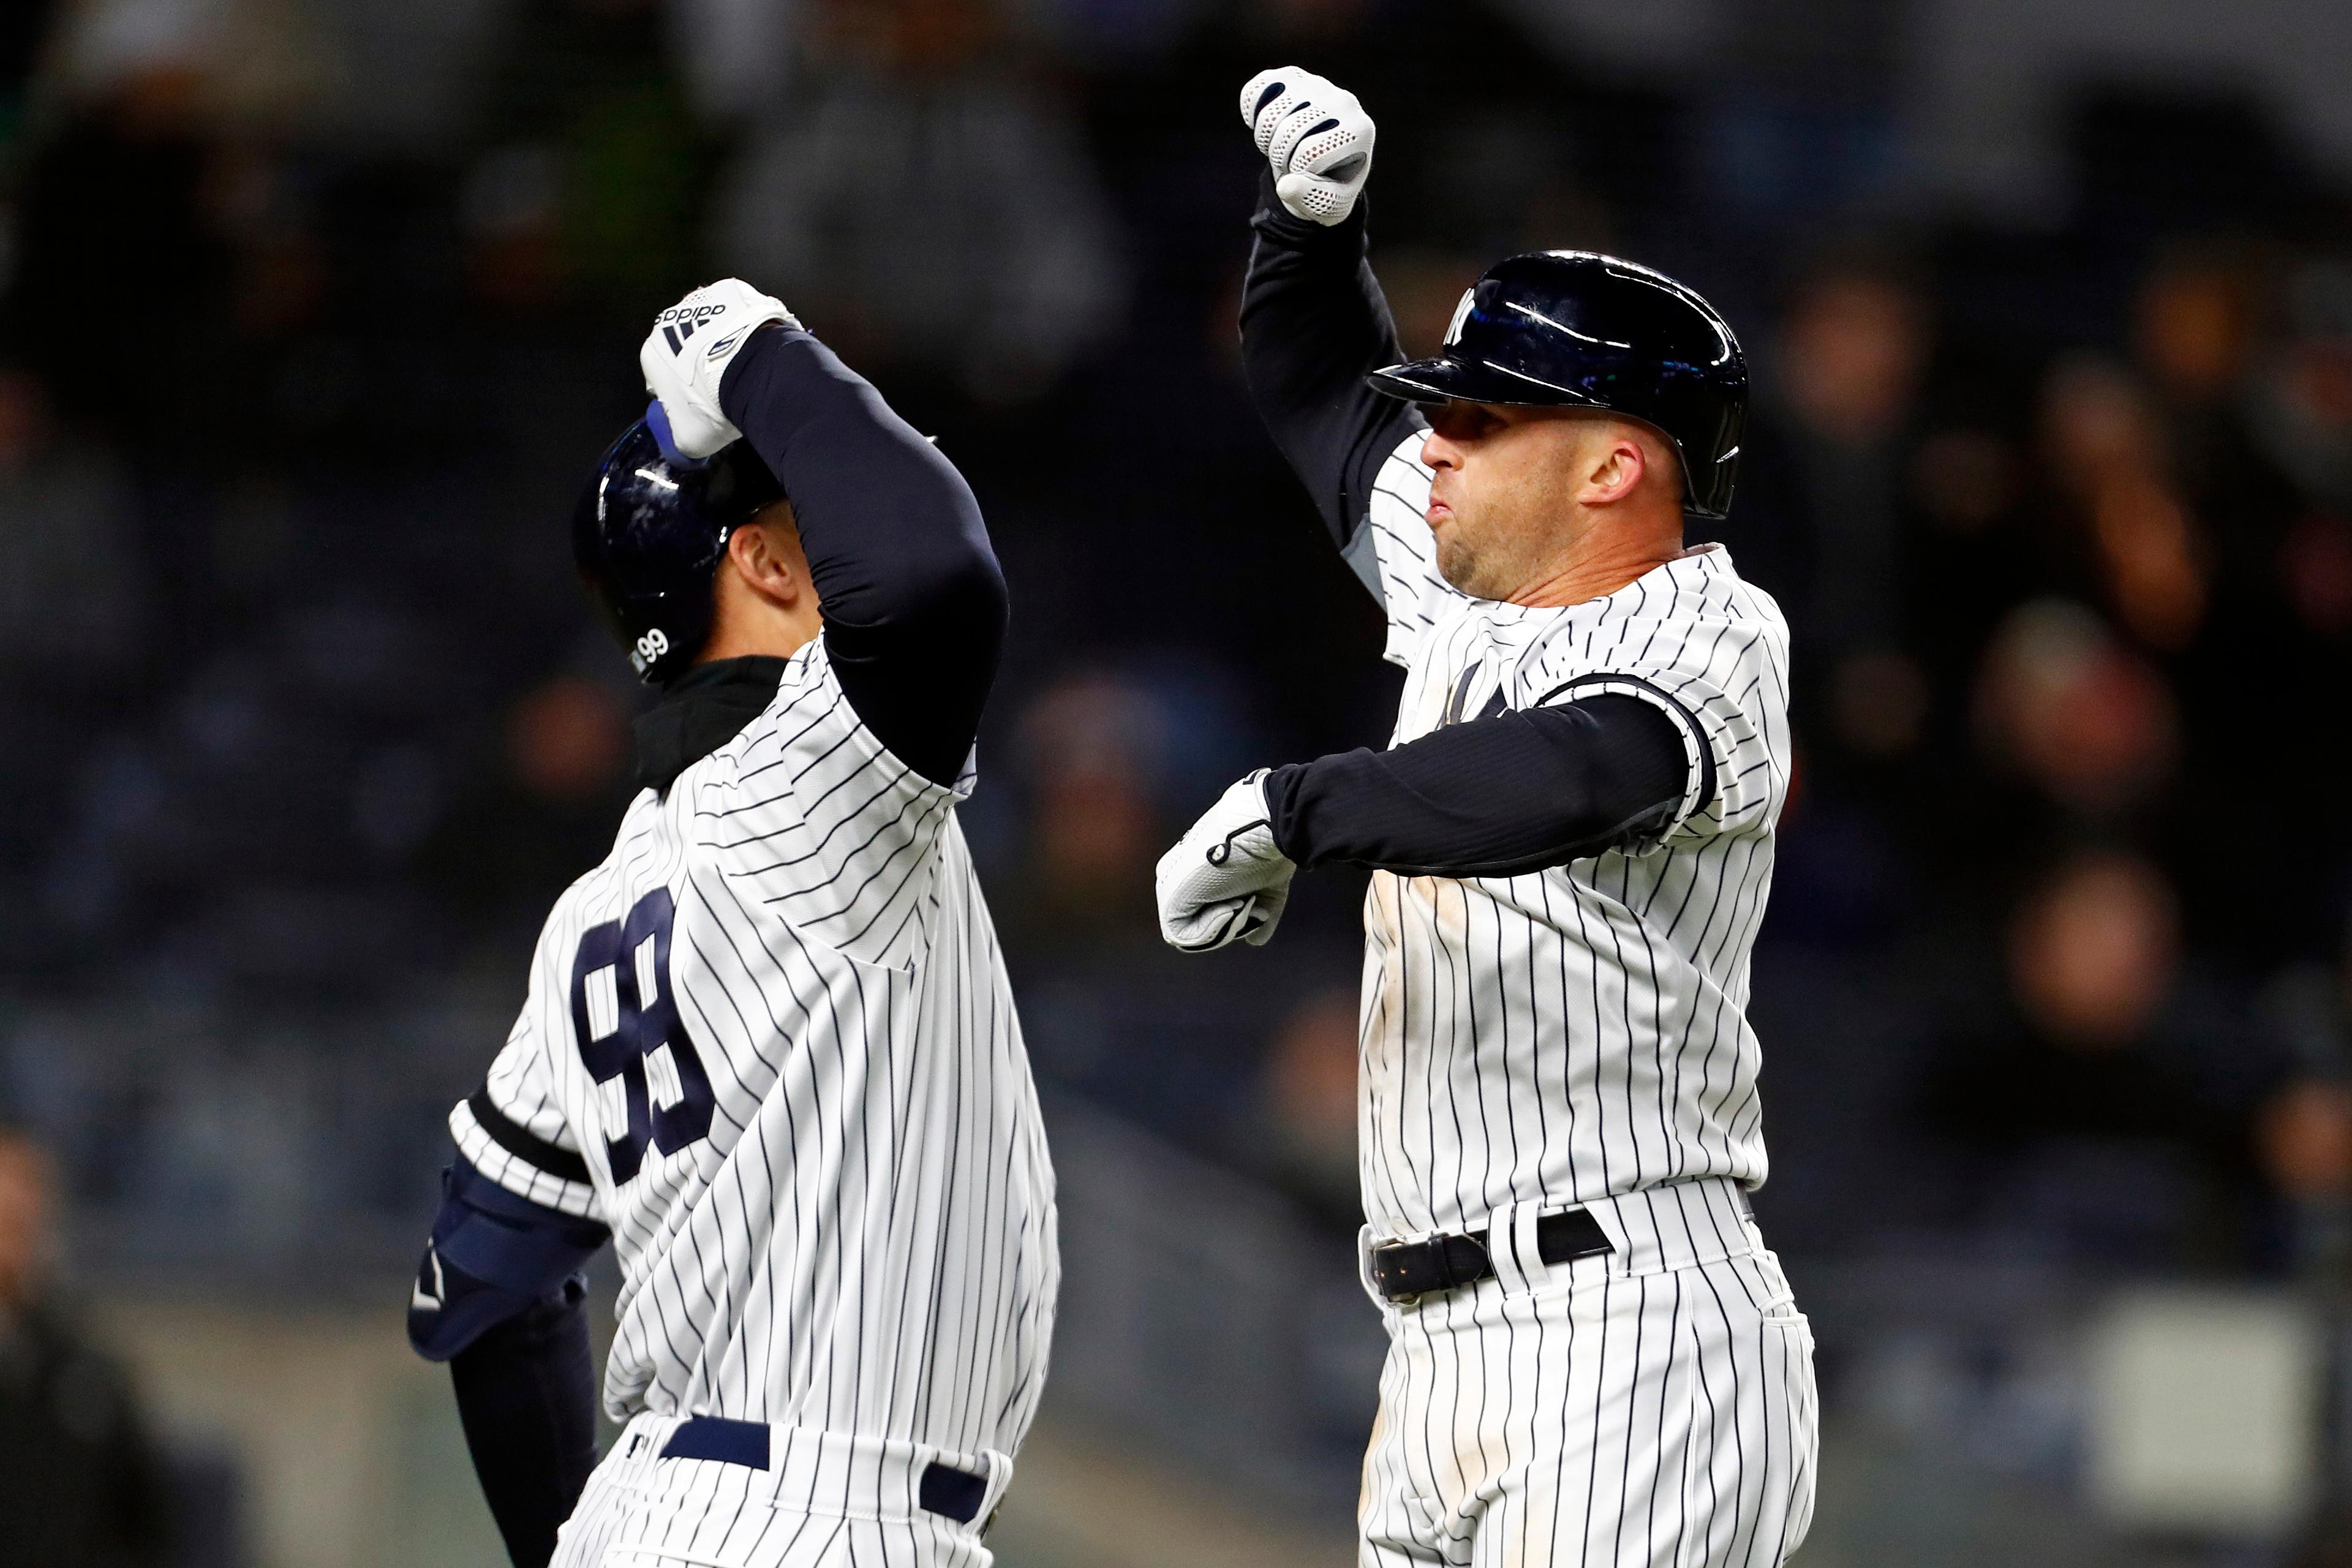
(313, 319)
(72, 1434)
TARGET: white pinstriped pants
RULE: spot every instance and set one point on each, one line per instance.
(1651, 1408)
(826, 1499)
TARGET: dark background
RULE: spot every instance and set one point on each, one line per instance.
(313, 316)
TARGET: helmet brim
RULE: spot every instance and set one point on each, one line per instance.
(1449, 380)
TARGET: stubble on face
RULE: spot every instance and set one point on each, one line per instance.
(1463, 563)
(1510, 512)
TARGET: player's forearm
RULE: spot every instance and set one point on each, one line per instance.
(1313, 322)
(915, 604)
(527, 1396)
(1516, 792)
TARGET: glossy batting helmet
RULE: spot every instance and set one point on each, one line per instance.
(1571, 329)
(647, 534)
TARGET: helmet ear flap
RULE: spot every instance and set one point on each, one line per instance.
(1711, 467)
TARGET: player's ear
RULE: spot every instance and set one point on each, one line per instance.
(1618, 462)
(766, 553)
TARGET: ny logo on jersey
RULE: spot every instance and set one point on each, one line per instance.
(624, 1016)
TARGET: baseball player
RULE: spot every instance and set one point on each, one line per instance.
(768, 1051)
(1593, 1358)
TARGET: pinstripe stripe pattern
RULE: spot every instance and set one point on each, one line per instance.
(825, 1499)
(1580, 1032)
(1609, 1413)
(864, 1242)
(1579, 1037)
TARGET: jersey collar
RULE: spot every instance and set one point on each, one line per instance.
(701, 711)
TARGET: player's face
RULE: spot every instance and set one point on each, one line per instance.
(1502, 500)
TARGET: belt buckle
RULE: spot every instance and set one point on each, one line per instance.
(1411, 1299)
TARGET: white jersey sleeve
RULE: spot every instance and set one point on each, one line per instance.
(512, 1130)
(823, 824)
(1396, 555)
(1711, 653)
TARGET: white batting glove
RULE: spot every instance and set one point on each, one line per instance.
(1316, 136)
(1224, 881)
(688, 353)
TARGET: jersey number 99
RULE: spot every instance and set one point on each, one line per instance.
(626, 1018)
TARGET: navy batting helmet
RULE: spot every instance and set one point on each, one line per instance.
(648, 533)
(1571, 329)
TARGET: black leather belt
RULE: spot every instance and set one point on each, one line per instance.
(942, 1488)
(1404, 1269)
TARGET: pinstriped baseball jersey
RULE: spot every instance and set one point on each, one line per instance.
(770, 1043)
(1580, 1032)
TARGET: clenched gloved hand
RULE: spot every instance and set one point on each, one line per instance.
(1316, 136)
(688, 353)
(1225, 880)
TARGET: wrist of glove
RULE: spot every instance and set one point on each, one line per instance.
(1317, 139)
(685, 359)
(1225, 880)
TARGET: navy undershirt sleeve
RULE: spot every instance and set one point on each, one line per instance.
(526, 1398)
(1314, 322)
(1496, 797)
(498, 1297)
(914, 604)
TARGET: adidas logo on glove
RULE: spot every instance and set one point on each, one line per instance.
(678, 323)
(687, 388)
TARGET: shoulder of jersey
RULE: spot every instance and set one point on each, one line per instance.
(1708, 587)
(756, 745)
(682, 802)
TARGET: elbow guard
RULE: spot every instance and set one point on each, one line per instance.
(492, 1256)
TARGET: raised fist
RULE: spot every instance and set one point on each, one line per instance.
(688, 353)
(1316, 138)
(1225, 880)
